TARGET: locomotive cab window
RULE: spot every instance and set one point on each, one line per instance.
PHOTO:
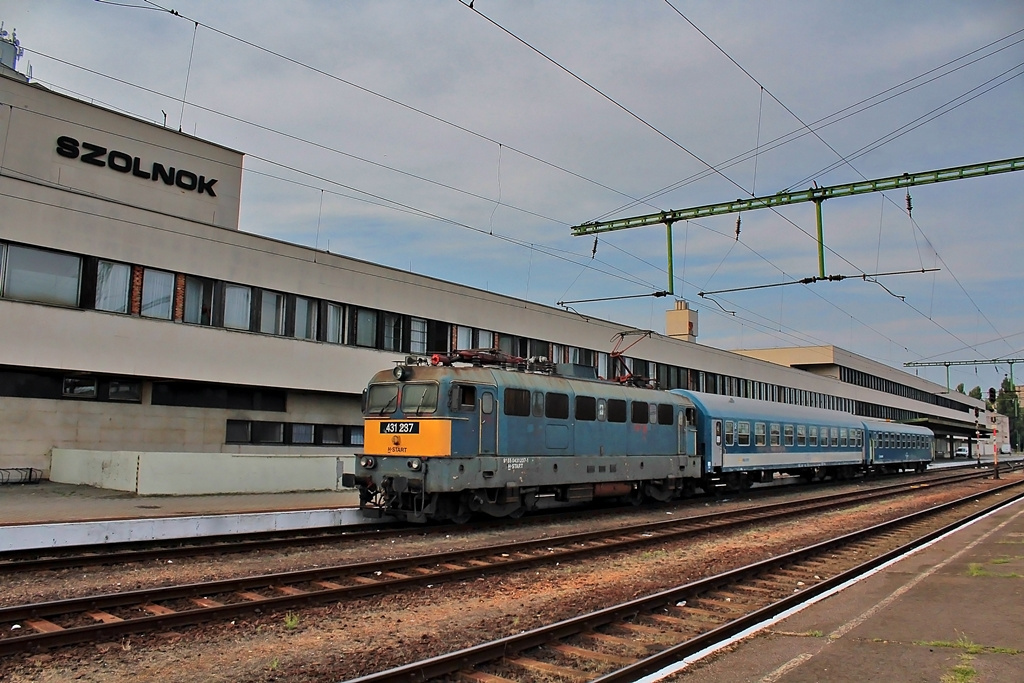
(418, 399)
(381, 399)
(463, 397)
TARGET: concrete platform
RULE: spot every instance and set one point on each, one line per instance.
(955, 607)
(50, 515)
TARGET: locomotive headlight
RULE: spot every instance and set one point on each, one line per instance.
(399, 372)
(367, 462)
(414, 464)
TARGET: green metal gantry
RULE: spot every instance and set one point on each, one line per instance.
(814, 194)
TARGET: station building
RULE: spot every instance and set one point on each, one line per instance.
(149, 344)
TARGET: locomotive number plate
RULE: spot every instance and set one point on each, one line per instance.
(399, 427)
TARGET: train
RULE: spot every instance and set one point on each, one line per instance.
(479, 432)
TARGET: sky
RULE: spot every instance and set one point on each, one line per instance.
(463, 143)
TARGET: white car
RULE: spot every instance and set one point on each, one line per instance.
(1004, 449)
(961, 452)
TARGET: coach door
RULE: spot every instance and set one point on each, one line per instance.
(488, 421)
(716, 444)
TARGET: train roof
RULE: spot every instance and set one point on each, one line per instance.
(766, 411)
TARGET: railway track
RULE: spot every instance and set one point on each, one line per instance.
(141, 551)
(110, 616)
(622, 643)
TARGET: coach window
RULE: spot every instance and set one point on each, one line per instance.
(835, 437)
(517, 402)
(842, 437)
(112, 281)
(665, 412)
(760, 434)
(557, 406)
(271, 312)
(812, 436)
(419, 398)
(801, 435)
(639, 413)
(774, 434)
(616, 410)
(198, 300)
(586, 408)
(157, 293)
(43, 276)
(787, 434)
(538, 403)
(730, 429)
(742, 433)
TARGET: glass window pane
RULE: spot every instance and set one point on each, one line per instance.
(392, 332)
(418, 335)
(80, 387)
(43, 276)
(271, 313)
(302, 433)
(419, 399)
(335, 320)
(463, 337)
(305, 318)
(157, 293)
(112, 286)
(125, 391)
(355, 435)
(485, 339)
(366, 327)
(236, 307)
(198, 294)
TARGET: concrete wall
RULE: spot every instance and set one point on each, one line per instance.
(182, 474)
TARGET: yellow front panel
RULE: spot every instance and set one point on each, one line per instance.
(418, 438)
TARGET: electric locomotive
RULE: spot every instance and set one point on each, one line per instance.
(504, 435)
(501, 435)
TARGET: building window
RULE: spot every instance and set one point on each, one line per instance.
(463, 337)
(238, 432)
(130, 392)
(485, 339)
(271, 312)
(305, 318)
(112, 281)
(268, 432)
(301, 433)
(331, 435)
(237, 303)
(355, 435)
(392, 332)
(198, 300)
(80, 387)
(365, 332)
(417, 335)
(157, 293)
(42, 276)
(335, 324)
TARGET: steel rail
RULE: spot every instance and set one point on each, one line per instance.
(369, 578)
